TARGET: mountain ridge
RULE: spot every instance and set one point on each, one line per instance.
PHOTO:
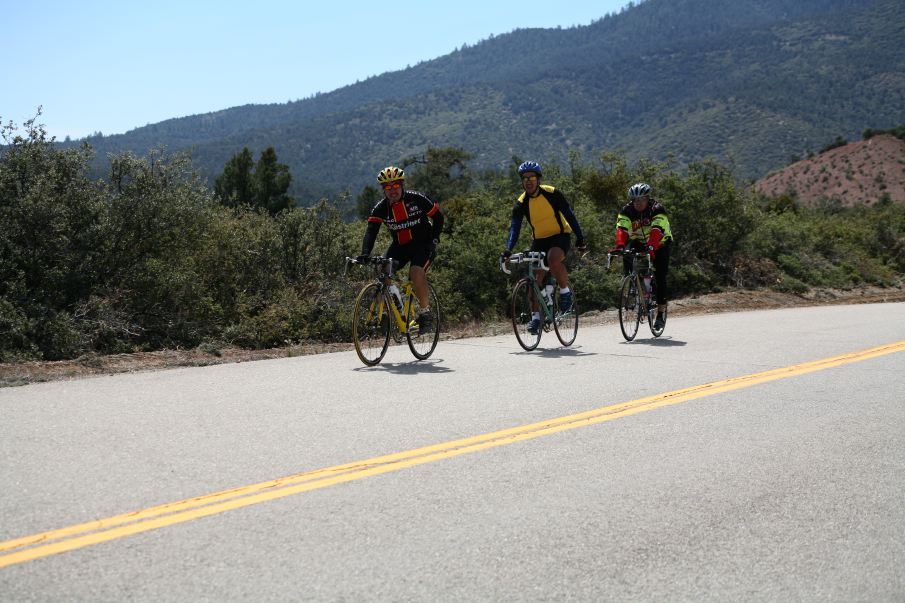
(750, 83)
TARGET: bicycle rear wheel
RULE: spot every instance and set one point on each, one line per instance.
(565, 323)
(652, 312)
(371, 325)
(422, 341)
(629, 308)
(523, 296)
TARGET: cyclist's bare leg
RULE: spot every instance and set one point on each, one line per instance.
(540, 276)
(555, 259)
(419, 283)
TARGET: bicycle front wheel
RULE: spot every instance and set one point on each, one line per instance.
(523, 298)
(371, 325)
(423, 334)
(565, 323)
(629, 308)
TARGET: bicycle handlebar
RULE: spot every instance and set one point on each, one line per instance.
(532, 258)
(625, 252)
(378, 261)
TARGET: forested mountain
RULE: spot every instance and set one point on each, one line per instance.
(749, 82)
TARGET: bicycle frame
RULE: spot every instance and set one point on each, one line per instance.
(387, 301)
(535, 260)
(640, 274)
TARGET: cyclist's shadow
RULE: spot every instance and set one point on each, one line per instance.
(658, 342)
(569, 352)
(413, 367)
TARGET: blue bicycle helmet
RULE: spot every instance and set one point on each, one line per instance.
(530, 166)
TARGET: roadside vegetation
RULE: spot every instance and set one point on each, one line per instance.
(151, 257)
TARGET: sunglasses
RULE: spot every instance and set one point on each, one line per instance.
(391, 186)
(529, 178)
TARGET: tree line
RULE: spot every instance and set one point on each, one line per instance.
(151, 257)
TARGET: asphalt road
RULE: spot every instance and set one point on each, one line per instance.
(786, 486)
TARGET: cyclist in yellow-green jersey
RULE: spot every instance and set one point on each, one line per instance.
(642, 226)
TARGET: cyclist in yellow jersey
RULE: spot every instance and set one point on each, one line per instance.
(552, 223)
(642, 226)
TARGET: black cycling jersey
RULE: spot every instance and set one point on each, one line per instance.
(412, 219)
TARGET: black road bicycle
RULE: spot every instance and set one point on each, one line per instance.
(637, 295)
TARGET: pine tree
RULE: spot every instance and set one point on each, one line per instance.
(234, 187)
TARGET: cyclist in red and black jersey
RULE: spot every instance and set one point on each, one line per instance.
(642, 226)
(415, 223)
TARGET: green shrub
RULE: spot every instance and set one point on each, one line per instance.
(689, 279)
(789, 284)
(16, 329)
(147, 259)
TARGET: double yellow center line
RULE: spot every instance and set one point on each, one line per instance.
(32, 547)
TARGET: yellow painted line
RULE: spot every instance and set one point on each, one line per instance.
(119, 526)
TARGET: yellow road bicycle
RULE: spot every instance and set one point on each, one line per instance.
(383, 311)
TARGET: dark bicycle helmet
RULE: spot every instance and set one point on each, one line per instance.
(530, 166)
(639, 190)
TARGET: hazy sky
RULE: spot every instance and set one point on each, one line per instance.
(114, 66)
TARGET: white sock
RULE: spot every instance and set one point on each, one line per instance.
(564, 289)
(535, 315)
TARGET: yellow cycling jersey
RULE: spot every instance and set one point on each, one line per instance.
(544, 219)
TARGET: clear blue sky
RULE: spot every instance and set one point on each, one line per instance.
(101, 66)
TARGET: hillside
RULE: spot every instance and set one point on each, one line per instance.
(858, 173)
(751, 82)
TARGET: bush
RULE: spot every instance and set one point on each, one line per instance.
(789, 284)
(147, 259)
(689, 279)
(16, 340)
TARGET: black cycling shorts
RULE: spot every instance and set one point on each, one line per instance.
(562, 240)
(416, 253)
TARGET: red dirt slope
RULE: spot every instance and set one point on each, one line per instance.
(856, 173)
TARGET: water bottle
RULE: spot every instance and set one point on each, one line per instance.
(397, 295)
(647, 285)
(548, 295)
